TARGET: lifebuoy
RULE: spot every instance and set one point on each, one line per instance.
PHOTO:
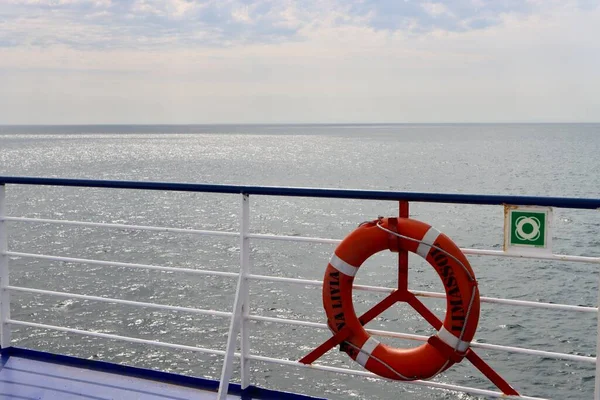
(462, 313)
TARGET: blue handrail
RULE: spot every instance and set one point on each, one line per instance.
(563, 202)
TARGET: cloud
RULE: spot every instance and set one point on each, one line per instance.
(436, 9)
(145, 23)
(317, 61)
(241, 15)
(160, 23)
(454, 15)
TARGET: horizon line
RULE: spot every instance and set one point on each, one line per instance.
(304, 123)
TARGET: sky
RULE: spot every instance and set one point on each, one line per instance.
(313, 61)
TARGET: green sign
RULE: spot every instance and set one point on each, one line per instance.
(528, 228)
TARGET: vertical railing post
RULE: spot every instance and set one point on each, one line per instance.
(597, 386)
(403, 254)
(245, 270)
(240, 306)
(4, 293)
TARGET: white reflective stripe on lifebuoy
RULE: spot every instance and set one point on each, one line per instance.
(428, 239)
(342, 266)
(366, 350)
(452, 341)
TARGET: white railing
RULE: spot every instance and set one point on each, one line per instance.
(4, 282)
(240, 314)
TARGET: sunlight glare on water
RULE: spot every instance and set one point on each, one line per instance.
(547, 160)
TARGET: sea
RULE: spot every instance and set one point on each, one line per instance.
(508, 159)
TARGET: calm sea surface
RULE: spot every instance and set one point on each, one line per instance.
(547, 160)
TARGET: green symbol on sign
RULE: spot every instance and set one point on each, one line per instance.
(528, 228)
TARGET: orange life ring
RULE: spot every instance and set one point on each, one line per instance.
(462, 295)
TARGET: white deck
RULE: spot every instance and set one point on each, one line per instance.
(26, 379)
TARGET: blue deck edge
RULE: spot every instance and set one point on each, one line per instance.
(251, 392)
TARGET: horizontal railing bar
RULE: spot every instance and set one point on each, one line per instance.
(347, 371)
(497, 347)
(420, 293)
(398, 335)
(288, 238)
(421, 338)
(297, 281)
(319, 325)
(513, 302)
(533, 352)
(564, 202)
(121, 264)
(305, 239)
(536, 256)
(475, 252)
(124, 226)
(309, 282)
(121, 301)
(297, 322)
(312, 282)
(116, 337)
